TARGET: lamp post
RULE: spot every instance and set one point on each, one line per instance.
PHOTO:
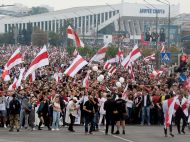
(119, 20)
(166, 2)
(156, 21)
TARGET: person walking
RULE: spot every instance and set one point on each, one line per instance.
(14, 107)
(89, 114)
(109, 107)
(72, 112)
(56, 112)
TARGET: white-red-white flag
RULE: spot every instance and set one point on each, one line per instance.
(112, 70)
(150, 58)
(86, 81)
(119, 55)
(100, 55)
(133, 56)
(74, 36)
(32, 77)
(39, 61)
(168, 109)
(5, 75)
(163, 49)
(107, 65)
(131, 72)
(113, 60)
(14, 60)
(76, 65)
(13, 85)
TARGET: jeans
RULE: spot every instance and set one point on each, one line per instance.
(56, 116)
(88, 119)
(23, 116)
(109, 121)
(129, 113)
(95, 120)
(145, 114)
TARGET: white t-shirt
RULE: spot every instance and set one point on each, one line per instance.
(129, 103)
(2, 103)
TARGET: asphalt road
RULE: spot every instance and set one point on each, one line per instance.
(133, 134)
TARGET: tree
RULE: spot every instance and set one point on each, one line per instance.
(55, 39)
(39, 37)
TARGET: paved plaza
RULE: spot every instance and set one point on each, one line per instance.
(133, 134)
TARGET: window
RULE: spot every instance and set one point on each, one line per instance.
(49, 25)
(113, 13)
(53, 26)
(95, 20)
(5, 28)
(106, 16)
(42, 25)
(102, 19)
(79, 21)
(46, 26)
(110, 14)
(98, 19)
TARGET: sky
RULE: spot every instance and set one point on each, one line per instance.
(63, 4)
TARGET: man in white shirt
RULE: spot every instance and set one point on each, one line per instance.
(3, 113)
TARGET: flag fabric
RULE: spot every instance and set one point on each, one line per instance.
(112, 70)
(113, 60)
(100, 55)
(163, 49)
(32, 77)
(133, 56)
(77, 64)
(74, 36)
(168, 109)
(119, 54)
(156, 73)
(18, 83)
(56, 77)
(13, 85)
(107, 65)
(14, 60)
(86, 81)
(75, 53)
(150, 58)
(5, 75)
(39, 61)
(131, 72)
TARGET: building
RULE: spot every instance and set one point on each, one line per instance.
(96, 21)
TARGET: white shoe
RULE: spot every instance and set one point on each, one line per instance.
(5, 126)
(57, 129)
(53, 129)
(33, 129)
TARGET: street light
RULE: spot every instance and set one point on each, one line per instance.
(119, 21)
(169, 20)
(156, 21)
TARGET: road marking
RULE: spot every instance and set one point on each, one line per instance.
(3, 140)
(127, 140)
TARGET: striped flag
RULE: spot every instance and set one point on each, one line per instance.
(149, 58)
(133, 56)
(14, 60)
(112, 70)
(74, 36)
(100, 55)
(32, 77)
(39, 61)
(76, 65)
(168, 109)
(86, 81)
(107, 65)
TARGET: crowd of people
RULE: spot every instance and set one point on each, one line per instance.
(50, 103)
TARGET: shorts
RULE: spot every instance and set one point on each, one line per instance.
(3, 113)
(120, 117)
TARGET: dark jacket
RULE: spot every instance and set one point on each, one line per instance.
(109, 107)
(14, 107)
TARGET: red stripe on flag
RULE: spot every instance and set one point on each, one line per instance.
(102, 50)
(77, 40)
(17, 56)
(75, 66)
(39, 58)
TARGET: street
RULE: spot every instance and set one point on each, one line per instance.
(133, 134)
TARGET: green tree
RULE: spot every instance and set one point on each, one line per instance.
(39, 37)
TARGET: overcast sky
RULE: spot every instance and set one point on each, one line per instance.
(62, 4)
